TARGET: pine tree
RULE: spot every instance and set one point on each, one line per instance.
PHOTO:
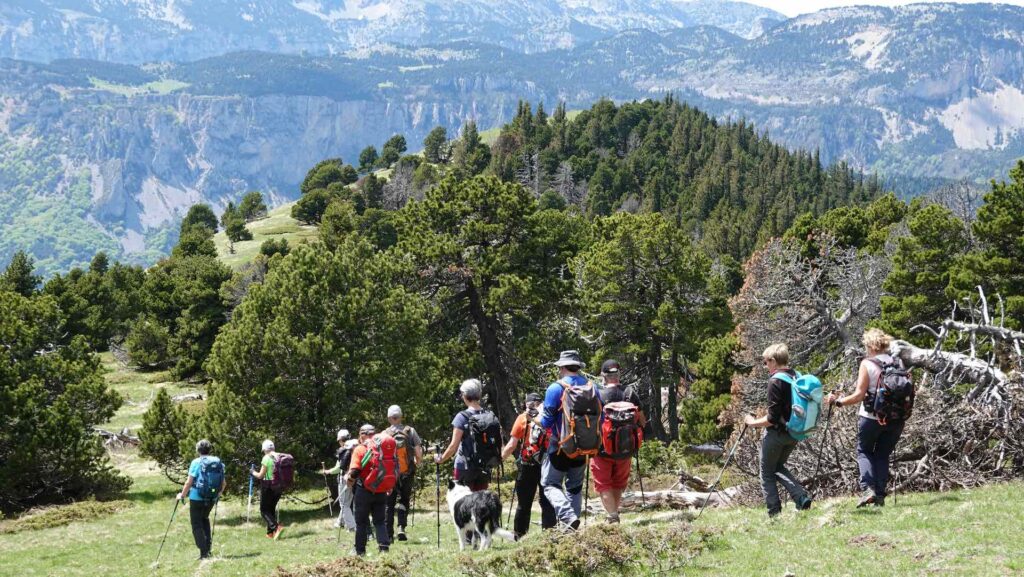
(164, 427)
(435, 146)
(19, 275)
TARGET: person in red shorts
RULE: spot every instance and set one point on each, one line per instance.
(612, 475)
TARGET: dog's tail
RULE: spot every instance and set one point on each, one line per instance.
(504, 534)
(496, 529)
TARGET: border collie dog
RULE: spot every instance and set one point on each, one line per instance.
(477, 516)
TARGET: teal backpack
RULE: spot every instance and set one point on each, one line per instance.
(211, 476)
(806, 408)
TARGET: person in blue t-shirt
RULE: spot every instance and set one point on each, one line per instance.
(561, 477)
(200, 508)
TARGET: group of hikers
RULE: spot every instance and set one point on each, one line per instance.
(577, 422)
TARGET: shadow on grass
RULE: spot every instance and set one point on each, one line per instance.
(240, 555)
(938, 498)
(152, 496)
(285, 516)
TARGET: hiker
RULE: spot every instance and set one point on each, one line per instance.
(777, 444)
(621, 438)
(476, 440)
(410, 453)
(346, 517)
(575, 435)
(534, 440)
(876, 438)
(372, 474)
(203, 488)
(269, 495)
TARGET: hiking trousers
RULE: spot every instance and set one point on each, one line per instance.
(563, 488)
(268, 507)
(527, 483)
(346, 516)
(398, 502)
(875, 444)
(370, 504)
(199, 517)
(776, 448)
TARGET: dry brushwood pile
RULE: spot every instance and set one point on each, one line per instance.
(968, 423)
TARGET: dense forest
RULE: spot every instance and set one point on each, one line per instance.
(622, 232)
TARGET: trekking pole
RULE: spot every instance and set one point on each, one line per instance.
(821, 448)
(714, 486)
(248, 510)
(213, 527)
(168, 530)
(330, 506)
(512, 501)
(412, 501)
(586, 492)
(640, 477)
(437, 484)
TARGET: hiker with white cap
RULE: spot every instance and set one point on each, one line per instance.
(346, 517)
(271, 487)
(572, 417)
(476, 440)
(410, 453)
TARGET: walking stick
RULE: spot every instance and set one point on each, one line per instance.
(714, 486)
(640, 477)
(412, 501)
(168, 530)
(248, 510)
(821, 447)
(512, 501)
(213, 527)
(327, 486)
(586, 492)
(437, 484)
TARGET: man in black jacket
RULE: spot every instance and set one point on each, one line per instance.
(778, 444)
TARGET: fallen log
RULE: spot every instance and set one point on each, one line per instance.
(122, 439)
(632, 501)
(187, 397)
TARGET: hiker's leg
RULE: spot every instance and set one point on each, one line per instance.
(378, 510)
(602, 471)
(391, 501)
(348, 514)
(268, 508)
(884, 447)
(619, 481)
(868, 431)
(197, 511)
(771, 449)
(788, 480)
(574, 480)
(404, 500)
(527, 482)
(551, 483)
(362, 514)
(548, 518)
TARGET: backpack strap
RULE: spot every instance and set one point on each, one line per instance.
(785, 377)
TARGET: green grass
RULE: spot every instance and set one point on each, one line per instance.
(969, 533)
(278, 224)
(137, 389)
(163, 86)
(490, 136)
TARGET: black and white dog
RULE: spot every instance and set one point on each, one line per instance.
(477, 516)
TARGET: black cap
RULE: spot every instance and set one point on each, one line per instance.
(610, 367)
(534, 398)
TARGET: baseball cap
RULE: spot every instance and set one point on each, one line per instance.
(610, 367)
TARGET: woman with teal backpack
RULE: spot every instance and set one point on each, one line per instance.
(203, 489)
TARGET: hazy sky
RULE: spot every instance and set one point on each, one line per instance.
(794, 7)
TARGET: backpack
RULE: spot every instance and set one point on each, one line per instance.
(406, 453)
(485, 441)
(621, 435)
(284, 472)
(806, 398)
(581, 421)
(535, 445)
(379, 467)
(210, 478)
(893, 398)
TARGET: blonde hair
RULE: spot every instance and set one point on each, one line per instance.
(876, 340)
(778, 352)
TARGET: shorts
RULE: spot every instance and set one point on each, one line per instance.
(610, 474)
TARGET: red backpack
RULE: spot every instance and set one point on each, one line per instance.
(535, 445)
(379, 467)
(621, 434)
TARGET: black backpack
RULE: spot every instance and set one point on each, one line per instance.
(485, 441)
(893, 397)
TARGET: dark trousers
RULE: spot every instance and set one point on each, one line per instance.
(368, 504)
(268, 507)
(398, 502)
(875, 444)
(776, 448)
(527, 483)
(199, 515)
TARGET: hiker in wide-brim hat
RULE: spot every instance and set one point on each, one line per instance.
(570, 359)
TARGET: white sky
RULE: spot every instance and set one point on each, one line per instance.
(794, 7)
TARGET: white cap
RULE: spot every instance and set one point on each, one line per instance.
(394, 411)
(268, 445)
(343, 434)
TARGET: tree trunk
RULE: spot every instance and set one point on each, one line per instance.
(490, 348)
(654, 374)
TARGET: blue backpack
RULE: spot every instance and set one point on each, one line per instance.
(807, 395)
(210, 478)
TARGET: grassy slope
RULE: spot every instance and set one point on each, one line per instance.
(278, 224)
(490, 136)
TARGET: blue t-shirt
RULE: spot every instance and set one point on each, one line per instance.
(193, 471)
(461, 422)
(551, 418)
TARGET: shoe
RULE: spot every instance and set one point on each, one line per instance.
(879, 501)
(401, 535)
(277, 533)
(612, 519)
(382, 549)
(337, 524)
(804, 505)
(575, 525)
(868, 498)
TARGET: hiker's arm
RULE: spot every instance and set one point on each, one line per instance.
(418, 456)
(552, 401)
(223, 485)
(859, 393)
(776, 404)
(185, 489)
(452, 447)
(756, 422)
(509, 447)
(333, 470)
(259, 474)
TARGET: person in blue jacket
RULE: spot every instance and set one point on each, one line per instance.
(561, 477)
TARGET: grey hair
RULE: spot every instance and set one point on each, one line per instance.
(471, 389)
(204, 447)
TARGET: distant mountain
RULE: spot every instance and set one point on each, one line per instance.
(140, 31)
(105, 155)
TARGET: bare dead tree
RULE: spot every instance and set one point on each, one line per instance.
(530, 173)
(962, 198)
(574, 193)
(399, 189)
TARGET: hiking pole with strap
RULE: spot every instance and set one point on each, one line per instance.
(714, 486)
(168, 530)
(213, 527)
(821, 447)
(437, 485)
(412, 501)
(640, 477)
(248, 510)
(512, 501)
(586, 492)
(327, 485)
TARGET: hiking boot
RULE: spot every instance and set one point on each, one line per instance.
(612, 519)
(805, 504)
(401, 534)
(575, 525)
(879, 501)
(277, 533)
(382, 549)
(868, 498)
